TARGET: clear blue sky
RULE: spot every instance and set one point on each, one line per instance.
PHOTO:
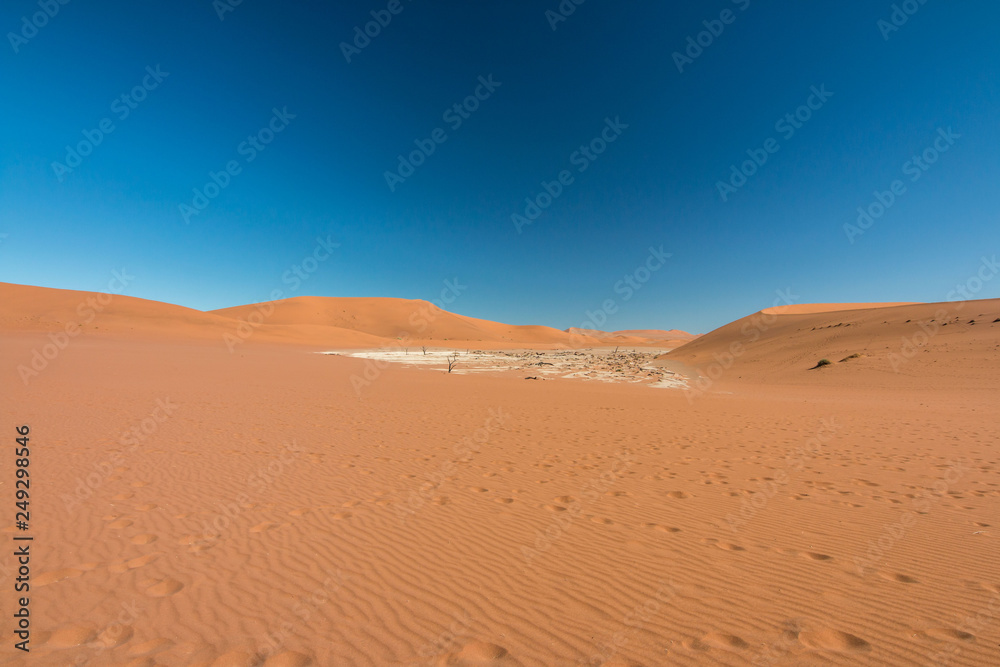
(655, 185)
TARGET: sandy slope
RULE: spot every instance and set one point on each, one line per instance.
(329, 321)
(947, 345)
(637, 337)
(393, 319)
(193, 506)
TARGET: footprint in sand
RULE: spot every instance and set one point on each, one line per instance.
(300, 512)
(237, 658)
(120, 523)
(478, 654)
(564, 499)
(145, 538)
(602, 520)
(69, 636)
(901, 578)
(665, 529)
(126, 565)
(503, 501)
(440, 500)
(151, 646)
(729, 546)
(289, 659)
(948, 635)
(834, 640)
(146, 507)
(723, 641)
(342, 515)
(263, 527)
(162, 588)
(678, 494)
(52, 577)
(555, 508)
(114, 635)
(815, 556)
(618, 661)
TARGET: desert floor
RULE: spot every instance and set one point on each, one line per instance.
(192, 506)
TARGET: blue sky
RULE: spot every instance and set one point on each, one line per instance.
(209, 88)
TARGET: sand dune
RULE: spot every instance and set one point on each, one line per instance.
(313, 321)
(636, 337)
(200, 508)
(392, 319)
(808, 308)
(950, 345)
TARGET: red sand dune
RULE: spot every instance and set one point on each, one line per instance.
(636, 337)
(196, 508)
(392, 319)
(953, 344)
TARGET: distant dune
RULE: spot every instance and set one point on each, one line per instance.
(951, 343)
(391, 319)
(636, 337)
(808, 308)
(314, 321)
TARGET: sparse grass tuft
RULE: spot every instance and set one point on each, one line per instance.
(821, 363)
(856, 355)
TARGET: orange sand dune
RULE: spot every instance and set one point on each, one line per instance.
(804, 308)
(313, 321)
(637, 337)
(392, 319)
(952, 344)
(28, 308)
(280, 508)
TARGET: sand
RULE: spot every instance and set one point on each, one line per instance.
(272, 505)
